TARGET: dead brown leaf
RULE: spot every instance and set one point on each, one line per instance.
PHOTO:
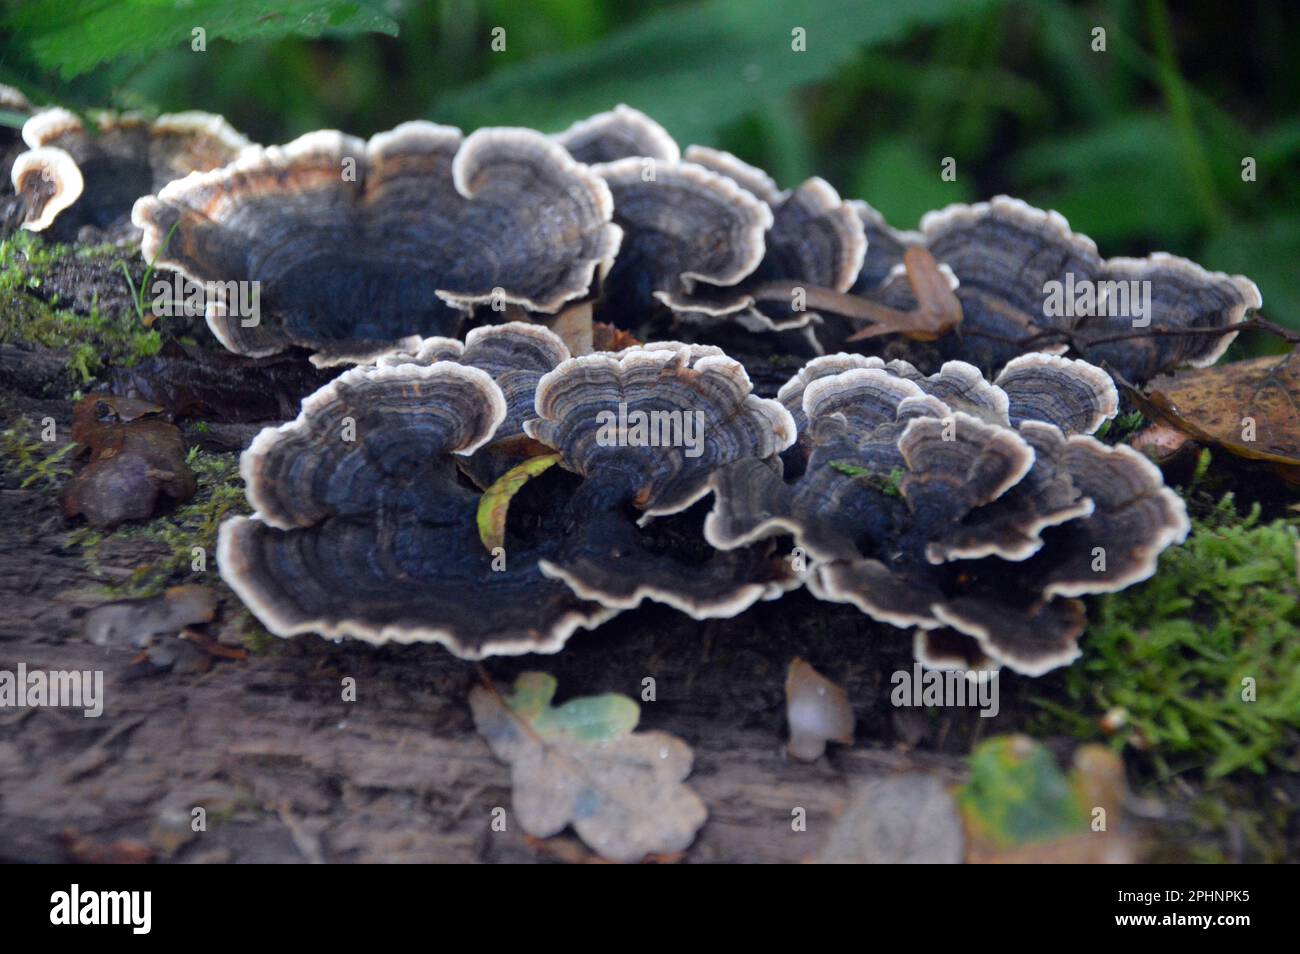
(86, 850)
(1248, 408)
(606, 337)
(134, 456)
(938, 309)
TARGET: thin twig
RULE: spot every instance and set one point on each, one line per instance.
(1253, 324)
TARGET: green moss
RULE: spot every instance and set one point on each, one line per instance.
(93, 340)
(885, 483)
(257, 640)
(1118, 428)
(1180, 653)
(34, 461)
(192, 524)
(25, 261)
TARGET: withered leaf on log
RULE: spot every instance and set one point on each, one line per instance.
(580, 763)
(1248, 408)
(135, 455)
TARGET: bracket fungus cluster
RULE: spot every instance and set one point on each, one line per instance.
(975, 512)
(709, 236)
(938, 469)
(358, 247)
(363, 525)
(93, 177)
(1027, 282)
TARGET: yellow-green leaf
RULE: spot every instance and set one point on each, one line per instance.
(495, 502)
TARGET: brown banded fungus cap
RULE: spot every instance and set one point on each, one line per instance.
(516, 355)
(958, 507)
(694, 229)
(815, 240)
(618, 134)
(750, 178)
(683, 222)
(12, 100)
(13, 206)
(814, 243)
(359, 247)
(362, 527)
(1027, 282)
(645, 429)
(84, 178)
(684, 227)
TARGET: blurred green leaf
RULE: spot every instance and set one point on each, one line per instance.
(74, 36)
(1109, 182)
(902, 181)
(775, 138)
(694, 68)
(998, 89)
(1267, 252)
(589, 719)
(543, 25)
(1016, 794)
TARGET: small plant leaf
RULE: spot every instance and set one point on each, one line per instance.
(1017, 794)
(1019, 807)
(886, 483)
(74, 36)
(494, 505)
(851, 470)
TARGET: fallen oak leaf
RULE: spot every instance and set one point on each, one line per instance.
(1017, 794)
(1250, 408)
(494, 505)
(581, 764)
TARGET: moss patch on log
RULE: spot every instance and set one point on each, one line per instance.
(1200, 665)
(97, 333)
(184, 539)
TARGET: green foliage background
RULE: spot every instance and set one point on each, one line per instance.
(1139, 146)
